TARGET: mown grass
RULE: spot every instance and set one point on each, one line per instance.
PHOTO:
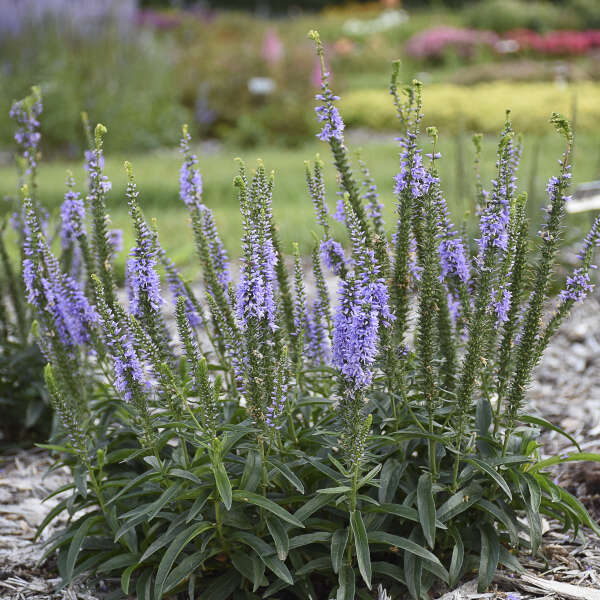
(157, 175)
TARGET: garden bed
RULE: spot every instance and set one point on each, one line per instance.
(566, 391)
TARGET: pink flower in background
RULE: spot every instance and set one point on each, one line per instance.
(433, 43)
(272, 49)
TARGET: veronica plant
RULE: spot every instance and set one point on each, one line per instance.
(23, 398)
(279, 442)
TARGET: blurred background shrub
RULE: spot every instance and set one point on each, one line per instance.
(243, 75)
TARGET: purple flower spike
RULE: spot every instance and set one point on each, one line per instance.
(578, 286)
(190, 180)
(26, 114)
(332, 255)
(328, 114)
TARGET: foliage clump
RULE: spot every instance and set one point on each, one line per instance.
(278, 445)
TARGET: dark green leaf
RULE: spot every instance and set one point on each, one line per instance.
(485, 468)
(346, 589)
(266, 554)
(279, 535)
(317, 564)
(458, 555)
(288, 474)
(389, 570)
(252, 472)
(499, 513)
(547, 425)
(488, 556)
(76, 543)
(341, 489)
(339, 539)
(126, 578)
(188, 565)
(251, 498)
(457, 503)
(369, 476)
(312, 506)
(413, 572)
(309, 538)
(389, 480)
(361, 545)
(222, 587)
(223, 484)
(426, 506)
(173, 551)
(382, 537)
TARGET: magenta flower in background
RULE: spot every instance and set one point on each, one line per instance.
(272, 48)
(435, 42)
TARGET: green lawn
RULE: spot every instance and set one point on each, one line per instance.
(158, 174)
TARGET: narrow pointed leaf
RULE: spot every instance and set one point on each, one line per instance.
(361, 544)
(346, 584)
(223, 484)
(279, 535)
(339, 539)
(261, 501)
(426, 506)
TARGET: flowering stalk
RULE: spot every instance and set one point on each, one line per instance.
(256, 297)
(99, 186)
(525, 358)
(505, 361)
(408, 186)
(26, 114)
(494, 229)
(130, 380)
(577, 286)
(198, 368)
(14, 288)
(370, 196)
(333, 133)
(145, 300)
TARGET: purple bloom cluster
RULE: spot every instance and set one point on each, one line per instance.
(502, 304)
(453, 257)
(114, 238)
(332, 255)
(454, 307)
(373, 206)
(142, 275)
(26, 114)
(577, 287)
(495, 219)
(72, 216)
(178, 289)
(592, 239)
(94, 166)
(360, 311)
(278, 401)
(52, 291)
(317, 339)
(328, 114)
(190, 180)
(316, 188)
(556, 183)
(256, 288)
(413, 176)
(413, 265)
(216, 248)
(127, 364)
